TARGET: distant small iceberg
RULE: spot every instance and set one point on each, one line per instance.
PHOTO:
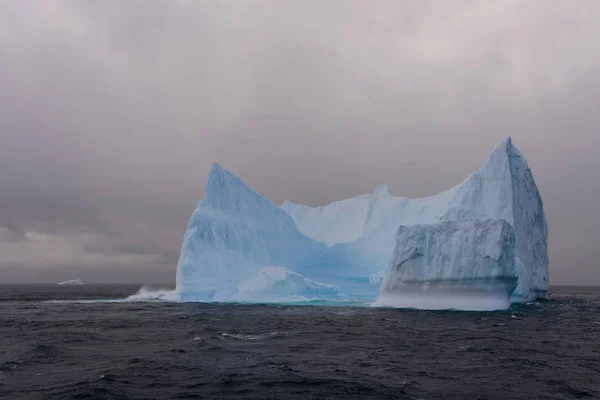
(72, 282)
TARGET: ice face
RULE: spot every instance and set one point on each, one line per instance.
(450, 262)
(531, 231)
(502, 189)
(340, 222)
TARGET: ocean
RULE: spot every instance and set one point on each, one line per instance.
(68, 342)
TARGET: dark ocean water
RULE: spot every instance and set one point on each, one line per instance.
(123, 350)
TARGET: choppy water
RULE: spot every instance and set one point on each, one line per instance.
(151, 350)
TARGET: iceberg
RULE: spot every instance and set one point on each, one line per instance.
(71, 282)
(467, 264)
(239, 246)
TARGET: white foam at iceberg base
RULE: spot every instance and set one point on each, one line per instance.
(148, 294)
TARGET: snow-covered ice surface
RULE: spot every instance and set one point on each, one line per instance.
(467, 264)
(340, 222)
(72, 282)
(235, 233)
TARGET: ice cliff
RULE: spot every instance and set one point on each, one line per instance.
(350, 245)
(470, 264)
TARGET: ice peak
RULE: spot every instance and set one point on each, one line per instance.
(381, 190)
(218, 174)
(216, 167)
(507, 147)
(226, 191)
(218, 178)
(499, 162)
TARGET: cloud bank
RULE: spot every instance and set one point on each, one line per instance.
(112, 112)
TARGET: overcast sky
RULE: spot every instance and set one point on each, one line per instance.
(112, 112)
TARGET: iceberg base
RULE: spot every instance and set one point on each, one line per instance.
(270, 284)
(533, 295)
(473, 295)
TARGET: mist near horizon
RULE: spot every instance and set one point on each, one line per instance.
(111, 115)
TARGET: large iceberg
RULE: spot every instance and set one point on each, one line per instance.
(235, 233)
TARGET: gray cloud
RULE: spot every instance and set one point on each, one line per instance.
(112, 112)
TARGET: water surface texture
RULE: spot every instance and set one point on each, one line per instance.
(54, 348)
